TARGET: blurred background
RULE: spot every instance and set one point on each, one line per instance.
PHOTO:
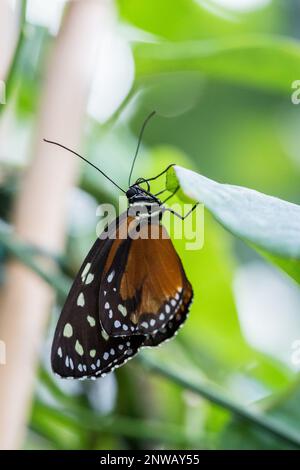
(86, 73)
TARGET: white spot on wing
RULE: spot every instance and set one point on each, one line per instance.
(85, 271)
(122, 309)
(81, 300)
(89, 279)
(91, 320)
(110, 276)
(78, 348)
(104, 335)
(68, 330)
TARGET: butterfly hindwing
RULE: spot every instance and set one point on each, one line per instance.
(81, 347)
(172, 326)
(144, 287)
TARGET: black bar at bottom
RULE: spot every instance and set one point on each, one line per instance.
(132, 459)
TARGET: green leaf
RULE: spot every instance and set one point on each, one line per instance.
(289, 265)
(178, 20)
(239, 435)
(262, 61)
(61, 430)
(267, 223)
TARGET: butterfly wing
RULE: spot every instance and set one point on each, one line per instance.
(81, 347)
(172, 326)
(144, 289)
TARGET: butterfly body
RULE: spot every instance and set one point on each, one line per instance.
(143, 204)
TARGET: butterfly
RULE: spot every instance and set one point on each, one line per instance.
(130, 292)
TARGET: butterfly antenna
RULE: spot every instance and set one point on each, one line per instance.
(87, 161)
(139, 143)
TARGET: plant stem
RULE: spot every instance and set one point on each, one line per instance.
(215, 396)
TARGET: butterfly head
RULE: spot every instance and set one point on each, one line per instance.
(137, 195)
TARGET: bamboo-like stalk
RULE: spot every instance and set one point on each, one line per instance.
(40, 212)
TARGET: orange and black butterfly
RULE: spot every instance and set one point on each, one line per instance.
(130, 292)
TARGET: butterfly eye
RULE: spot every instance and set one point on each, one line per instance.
(131, 192)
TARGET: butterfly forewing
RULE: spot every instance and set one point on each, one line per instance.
(143, 287)
(81, 347)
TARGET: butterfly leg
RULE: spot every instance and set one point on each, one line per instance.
(163, 191)
(142, 180)
(171, 195)
(160, 192)
(182, 217)
(160, 174)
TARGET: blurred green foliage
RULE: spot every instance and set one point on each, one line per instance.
(220, 82)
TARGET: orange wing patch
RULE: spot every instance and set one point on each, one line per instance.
(147, 289)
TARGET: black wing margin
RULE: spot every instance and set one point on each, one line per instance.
(81, 348)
